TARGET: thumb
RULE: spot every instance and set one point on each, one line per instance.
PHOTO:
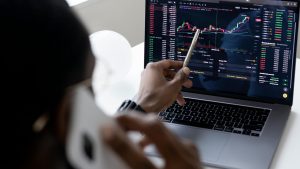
(181, 76)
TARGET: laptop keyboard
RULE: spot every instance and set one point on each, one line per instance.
(217, 116)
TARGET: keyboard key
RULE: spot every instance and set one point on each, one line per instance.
(178, 111)
(237, 131)
(177, 106)
(195, 109)
(203, 115)
(247, 132)
(203, 110)
(179, 116)
(186, 112)
(220, 122)
(229, 124)
(195, 119)
(219, 128)
(228, 129)
(262, 119)
(236, 120)
(166, 119)
(236, 115)
(203, 120)
(211, 116)
(163, 114)
(219, 118)
(257, 123)
(234, 110)
(246, 116)
(187, 118)
(254, 128)
(187, 108)
(211, 111)
(237, 125)
(227, 118)
(170, 110)
(172, 106)
(213, 122)
(209, 106)
(171, 115)
(227, 114)
(255, 134)
(193, 113)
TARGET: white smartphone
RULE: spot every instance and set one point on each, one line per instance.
(85, 148)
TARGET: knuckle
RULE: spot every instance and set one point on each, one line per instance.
(151, 65)
(168, 62)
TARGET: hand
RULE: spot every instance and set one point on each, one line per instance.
(177, 154)
(161, 85)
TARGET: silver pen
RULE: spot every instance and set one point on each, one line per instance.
(192, 47)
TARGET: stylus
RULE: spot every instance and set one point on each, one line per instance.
(190, 52)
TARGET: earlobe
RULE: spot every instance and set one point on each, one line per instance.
(40, 123)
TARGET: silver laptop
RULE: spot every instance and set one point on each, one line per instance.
(243, 70)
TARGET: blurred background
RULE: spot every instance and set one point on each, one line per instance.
(123, 16)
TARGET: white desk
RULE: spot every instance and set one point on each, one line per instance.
(288, 153)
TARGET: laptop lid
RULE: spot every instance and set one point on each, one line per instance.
(247, 48)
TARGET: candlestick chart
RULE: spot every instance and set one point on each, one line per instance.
(215, 30)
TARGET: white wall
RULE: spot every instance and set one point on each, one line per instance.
(123, 16)
(298, 47)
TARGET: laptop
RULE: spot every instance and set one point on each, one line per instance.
(242, 68)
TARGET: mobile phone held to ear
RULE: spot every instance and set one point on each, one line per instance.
(85, 148)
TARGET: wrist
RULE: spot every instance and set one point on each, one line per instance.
(147, 103)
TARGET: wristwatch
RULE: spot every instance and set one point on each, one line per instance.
(129, 105)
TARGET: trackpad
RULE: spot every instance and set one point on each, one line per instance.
(210, 143)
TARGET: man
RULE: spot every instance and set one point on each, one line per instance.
(45, 52)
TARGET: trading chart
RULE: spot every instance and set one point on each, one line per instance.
(248, 45)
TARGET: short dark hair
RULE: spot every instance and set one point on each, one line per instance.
(44, 50)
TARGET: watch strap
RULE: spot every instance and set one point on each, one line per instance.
(129, 105)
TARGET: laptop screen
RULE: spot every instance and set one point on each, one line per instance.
(246, 49)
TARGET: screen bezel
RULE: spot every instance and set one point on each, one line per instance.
(232, 95)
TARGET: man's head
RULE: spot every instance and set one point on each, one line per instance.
(44, 50)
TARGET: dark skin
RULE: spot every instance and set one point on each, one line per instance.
(178, 154)
(160, 86)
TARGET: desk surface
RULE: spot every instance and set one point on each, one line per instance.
(288, 153)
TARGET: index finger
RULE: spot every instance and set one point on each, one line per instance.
(170, 64)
